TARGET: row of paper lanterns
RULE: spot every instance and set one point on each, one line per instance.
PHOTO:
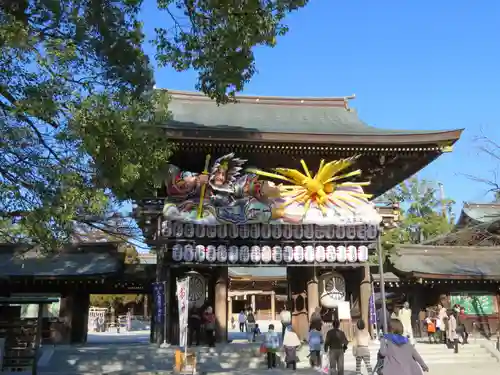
(268, 254)
(266, 231)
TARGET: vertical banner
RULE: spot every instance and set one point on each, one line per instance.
(183, 301)
(159, 300)
(373, 311)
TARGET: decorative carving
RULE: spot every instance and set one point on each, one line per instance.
(333, 286)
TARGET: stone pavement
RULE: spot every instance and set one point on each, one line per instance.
(241, 358)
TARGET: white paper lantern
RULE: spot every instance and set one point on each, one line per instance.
(308, 231)
(188, 253)
(189, 230)
(178, 230)
(177, 253)
(329, 232)
(371, 232)
(222, 231)
(287, 232)
(254, 231)
(331, 254)
(298, 232)
(340, 232)
(166, 228)
(309, 254)
(200, 253)
(265, 231)
(277, 254)
(222, 254)
(211, 253)
(232, 254)
(199, 231)
(350, 232)
(298, 254)
(266, 254)
(244, 231)
(276, 231)
(341, 254)
(211, 231)
(255, 254)
(319, 254)
(351, 254)
(288, 254)
(362, 254)
(319, 232)
(361, 232)
(244, 254)
(233, 231)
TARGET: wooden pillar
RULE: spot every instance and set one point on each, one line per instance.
(273, 305)
(365, 292)
(221, 304)
(312, 291)
(252, 303)
(80, 315)
(298, 303)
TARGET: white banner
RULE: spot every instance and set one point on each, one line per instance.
(183, 301)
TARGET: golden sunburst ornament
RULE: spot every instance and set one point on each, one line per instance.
(324, 188)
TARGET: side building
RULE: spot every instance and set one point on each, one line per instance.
(462, 267)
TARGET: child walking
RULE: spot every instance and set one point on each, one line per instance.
(271, 343)
(315, 341)
(291, 343)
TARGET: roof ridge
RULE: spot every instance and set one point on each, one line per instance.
(178, 94)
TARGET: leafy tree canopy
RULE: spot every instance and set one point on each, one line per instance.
(78, 112)
(421, 212)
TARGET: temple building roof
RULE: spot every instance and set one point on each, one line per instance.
(456, 262)
(478, 213)
(96, 259)
(326, 120)
(257, 273)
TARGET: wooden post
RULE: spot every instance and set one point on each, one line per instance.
(365, 291)
(273, 305)
(312, 291)
(221, 304)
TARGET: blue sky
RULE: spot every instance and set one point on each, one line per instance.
(412, 65)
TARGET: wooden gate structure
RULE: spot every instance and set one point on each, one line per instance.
(273, 181)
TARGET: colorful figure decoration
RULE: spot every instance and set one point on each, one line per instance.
(223, 194)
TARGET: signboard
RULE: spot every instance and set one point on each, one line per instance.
(183, 303)
(475, 303)
(159, 300)
(344, 310)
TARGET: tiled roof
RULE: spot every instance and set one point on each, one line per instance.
(458, 261)
(329, 116)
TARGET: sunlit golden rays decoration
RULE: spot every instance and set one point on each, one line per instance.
(326, 187)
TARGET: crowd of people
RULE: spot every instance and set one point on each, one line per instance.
(397, 354)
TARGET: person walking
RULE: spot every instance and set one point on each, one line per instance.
(194, 327)
(291, 343)
(336, 345)
(397, 355)
(209, 323)
(250, 325)
(315, 341)
(452, 331)
(271, 344)
(286, 320)
(360, 347)
(316, 320)
(404, 317)
(461, 319)
(242, 319)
